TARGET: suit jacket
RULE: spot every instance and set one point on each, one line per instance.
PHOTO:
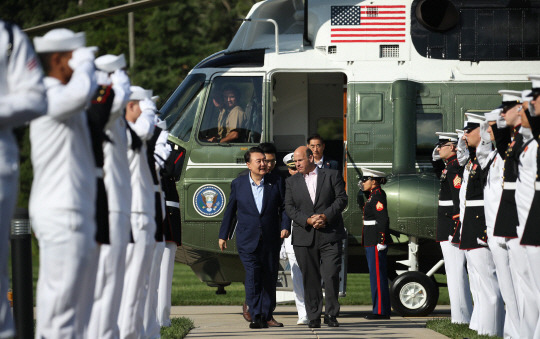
(330, 200)
(253, 225)
(330, 163)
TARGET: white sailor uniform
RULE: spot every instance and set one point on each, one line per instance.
(143, 227)
(22, 98)
(62, 208)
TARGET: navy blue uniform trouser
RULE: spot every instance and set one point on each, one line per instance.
(378, 278)
(261, 267)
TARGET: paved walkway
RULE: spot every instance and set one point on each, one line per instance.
(227, 322)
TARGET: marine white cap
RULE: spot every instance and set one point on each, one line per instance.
(535, 79)
(475, 118)
(447, 136)
(493, 115)
(510, 96)
(139, 93)
(289, 160)
(110, 63)
(59, 40)
(526, 95)
(366, 172)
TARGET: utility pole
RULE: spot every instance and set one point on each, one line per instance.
(131, 32)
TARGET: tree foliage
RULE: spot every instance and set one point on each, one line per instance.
(169, 40)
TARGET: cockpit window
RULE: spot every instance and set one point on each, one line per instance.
(233, 112)
(179, 111)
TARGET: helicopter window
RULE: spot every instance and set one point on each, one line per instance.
(426, 126)
(179, 111)
(476, 30)
(233, 112)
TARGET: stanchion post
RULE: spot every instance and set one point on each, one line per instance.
(21, 268)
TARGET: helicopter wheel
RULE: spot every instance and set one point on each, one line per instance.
(414, 294)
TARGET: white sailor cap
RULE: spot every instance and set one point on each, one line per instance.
(510, 97)
(139, 93)
(59, 40)
(110, 63)
(535, 80)
(370, 173)
(288, 160)
(447, 136)
(493, 115)
(473, 121)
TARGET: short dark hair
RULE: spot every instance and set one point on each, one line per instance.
(268, 147)
(315, 136)
(232, 89)
(247, 155)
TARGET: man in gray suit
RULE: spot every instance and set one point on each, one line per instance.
(314, 200)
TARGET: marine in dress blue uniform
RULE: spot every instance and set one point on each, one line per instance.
(450, 173)
(375, 238)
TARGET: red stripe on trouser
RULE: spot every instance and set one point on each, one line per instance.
(378, 280)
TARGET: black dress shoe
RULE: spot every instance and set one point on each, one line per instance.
(331, 321)
(316, 323)
(257, 322)
(377, 317)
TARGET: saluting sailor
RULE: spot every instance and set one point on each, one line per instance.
(507, 219)
(449, 171)
(62, 208)
(23, 98)
(140, 114)
(488, 305)
(531, 228)
(112, 256)
(375, 239)
(493, 163)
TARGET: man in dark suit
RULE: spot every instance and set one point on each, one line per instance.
(257, 201)
(316, 145)
(314, 200)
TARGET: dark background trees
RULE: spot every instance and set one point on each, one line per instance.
(169, 41)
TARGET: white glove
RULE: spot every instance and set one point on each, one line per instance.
(121, 79)
(501, 123)
(450, 237)
(484, 134)
(500, 241)
(102, 78)
(532, 111)
(435, 155)
(82, 55)
(282, 252)
(462, 152)
(481, 242)
(381, 247)
(147, 106)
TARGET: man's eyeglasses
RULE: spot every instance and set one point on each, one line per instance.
(445, 145)
(270, 161)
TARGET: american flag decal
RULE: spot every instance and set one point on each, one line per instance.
(359, 24)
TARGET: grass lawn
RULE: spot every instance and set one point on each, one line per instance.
(179, 328)
(455, 331)
(187, 289)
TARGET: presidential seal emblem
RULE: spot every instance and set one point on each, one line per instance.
(209, 200)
